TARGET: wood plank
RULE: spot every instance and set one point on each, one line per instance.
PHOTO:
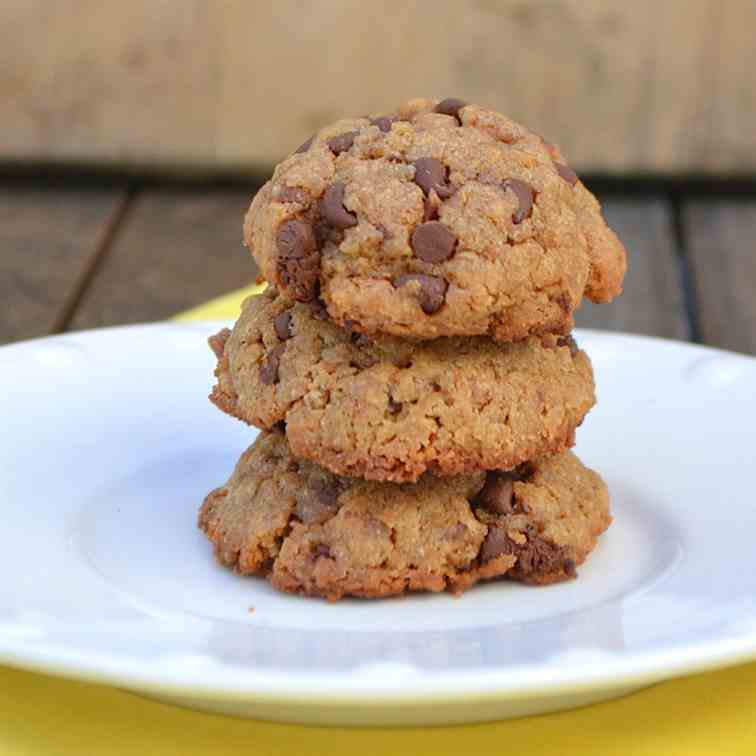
(49, 239)
(125, 82)
(652, 302)
(177, 249)
(721, 245)
(643, 86)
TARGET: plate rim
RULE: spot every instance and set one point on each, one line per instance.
(237, 683)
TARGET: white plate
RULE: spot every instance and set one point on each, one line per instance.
(109, 444)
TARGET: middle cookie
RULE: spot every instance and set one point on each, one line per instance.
(389, 409)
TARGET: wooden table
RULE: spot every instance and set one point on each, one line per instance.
(76, 256)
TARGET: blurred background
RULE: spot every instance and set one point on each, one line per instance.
(134, 135)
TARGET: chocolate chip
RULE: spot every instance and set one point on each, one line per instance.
(566, 173)
(342, 142)
(321, 550)
(324, 232)
(495, 544)
(451, 107)
(394, 408)
(327, 491)
(282, 325)
(524, 193)
(218, 341)
(320, 502)
(432, 292)
(358, 339)
(298, 259)
(292, 194)
(384, 123)
(333, 210)
(497, 494)
(432, 174)
(433, 242)
(538, 559)
(269, 368)
(305, 145)
(568, 341)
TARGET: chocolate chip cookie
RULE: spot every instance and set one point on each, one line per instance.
(392, 409)
(440, 219)
(309, 531)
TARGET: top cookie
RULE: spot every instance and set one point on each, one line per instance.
(441, 219)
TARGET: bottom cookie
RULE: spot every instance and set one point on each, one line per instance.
(310, 531)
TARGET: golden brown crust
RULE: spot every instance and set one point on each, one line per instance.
(526, 238)
(390, 409)
(312, 532)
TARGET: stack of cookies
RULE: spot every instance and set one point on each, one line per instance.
(411, 365)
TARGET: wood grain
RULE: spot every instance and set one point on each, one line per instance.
(176, 249)
(652, 302)
(721, 244)
(104, 81)
(49, 239)
(646, 86)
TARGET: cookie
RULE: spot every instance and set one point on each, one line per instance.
(309, 531)
(441, 219)
(392, 409)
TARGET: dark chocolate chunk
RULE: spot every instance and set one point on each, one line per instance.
(282, 325)
(320, 503)
(566, 173)
(394, 408)
(432, 290)
(538, 559)
(384, 123)
(333, 210)
(357, 338)
(433, 242)
(451, 107)
(432, 174)
(497, 494)
(525, 194)
(298, 259)
(495, 544)
(342, 142)
(269, 368)
(327, 491)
